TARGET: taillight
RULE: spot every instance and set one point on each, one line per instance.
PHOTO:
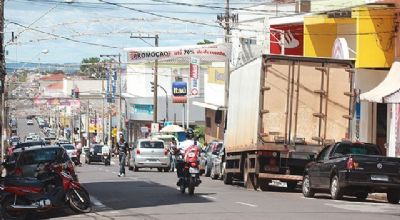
(137, 151)
(165, 152)
(351, 164)
(193, 164)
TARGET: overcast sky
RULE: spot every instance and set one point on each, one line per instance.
(87, 28)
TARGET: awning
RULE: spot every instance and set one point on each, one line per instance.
(388, 91)
(209, 106)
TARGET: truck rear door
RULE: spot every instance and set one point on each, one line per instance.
(305, 101)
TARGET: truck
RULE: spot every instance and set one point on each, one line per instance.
(282, 110)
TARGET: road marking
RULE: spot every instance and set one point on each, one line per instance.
(208, 197)
(114, 172)
(247, 204)
(97, 202)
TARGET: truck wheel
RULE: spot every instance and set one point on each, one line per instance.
(263, 184)
(336, 191)
(393, 196)
(228, 179)
(308, 192)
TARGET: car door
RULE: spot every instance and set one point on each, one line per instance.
(314, 170)
(326, 168)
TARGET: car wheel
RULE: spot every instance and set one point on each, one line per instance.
(393, 196)
(166, 170)
(308, 192)
(159, 169)
(336, 191)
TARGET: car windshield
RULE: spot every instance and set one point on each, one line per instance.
(152, 144)
(97, 148)
(43, 155)
(363, 149)
(68, 147)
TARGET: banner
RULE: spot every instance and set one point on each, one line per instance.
(194, 76)
(207, 53)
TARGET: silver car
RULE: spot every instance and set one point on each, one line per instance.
(149, 153)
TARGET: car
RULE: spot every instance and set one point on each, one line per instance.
(149, 153)
(218, 164)
(95, 153)
(71, 151)
(353, 169)
(208, 154)
(24, 162)
(29, 122)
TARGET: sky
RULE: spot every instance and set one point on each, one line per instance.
(66, 31)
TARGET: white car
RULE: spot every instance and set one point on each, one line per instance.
(29, 122)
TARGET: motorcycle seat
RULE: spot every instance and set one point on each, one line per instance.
(22, 181)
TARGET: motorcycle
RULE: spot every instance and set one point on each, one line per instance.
(190, 172)
(53, 187)
(106, 155)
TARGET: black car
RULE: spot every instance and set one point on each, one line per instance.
(24, 161)
(353, 169)
(95, 154)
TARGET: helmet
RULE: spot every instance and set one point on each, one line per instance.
(189, 133)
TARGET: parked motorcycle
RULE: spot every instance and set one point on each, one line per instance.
(52, 188)
(190, 174)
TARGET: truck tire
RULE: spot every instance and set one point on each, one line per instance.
(228, 178)
(393, 196)
(263, 184)
(336, 191)
(308, 192)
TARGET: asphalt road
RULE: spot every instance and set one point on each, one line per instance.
(153, 195)
(24, 129)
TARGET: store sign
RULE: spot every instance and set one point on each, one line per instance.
(179, 92)
(194, 76)
(293, 42)
(216, 52)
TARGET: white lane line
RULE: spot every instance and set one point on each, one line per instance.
(97, 202)
(208, 197)
(114, 172)
(247, 204)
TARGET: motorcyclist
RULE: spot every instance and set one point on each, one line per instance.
(182, 147)
(123, 151)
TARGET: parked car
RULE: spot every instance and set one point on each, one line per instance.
(71, 151)
(29, 122)
(218, 164)
(354, 169)
(208, 154)
(24, 161)
(149, 153)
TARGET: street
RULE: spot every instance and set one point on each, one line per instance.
(152, 195)
(149, 194)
